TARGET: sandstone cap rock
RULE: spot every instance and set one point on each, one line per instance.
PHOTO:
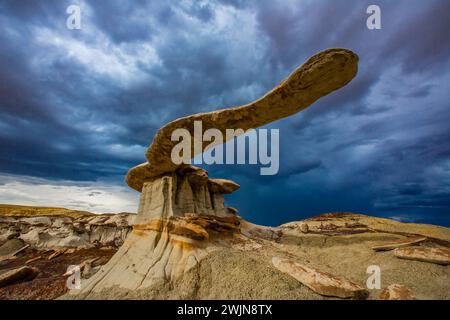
(320, 75)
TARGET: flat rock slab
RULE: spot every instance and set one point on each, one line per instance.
(396, 292)
(20, 274)
(10, 247)
(320, 282)
(399, 244)
(320, 75)
(439, 255)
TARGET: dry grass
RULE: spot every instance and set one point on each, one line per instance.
(30, 211)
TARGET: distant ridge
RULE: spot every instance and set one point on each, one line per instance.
(21, 211)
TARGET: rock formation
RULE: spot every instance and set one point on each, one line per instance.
(399, 244)
(186, 244)
(180, 206)
(20, 274)
(63, 230)
(396, 292)
(432, 255)
(223, 260)
(236, 261)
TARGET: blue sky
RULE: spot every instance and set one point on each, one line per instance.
(78, 108)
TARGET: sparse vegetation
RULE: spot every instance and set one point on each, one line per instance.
(22, 211)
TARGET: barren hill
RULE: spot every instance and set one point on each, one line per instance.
(318, 258)
(30, 211)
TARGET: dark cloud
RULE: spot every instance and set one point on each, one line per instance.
(84, 104)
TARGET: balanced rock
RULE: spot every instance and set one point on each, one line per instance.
(182, 216)
(396, 292)
(438, 255)
(322, 74)
(304, 228)
(320, 282)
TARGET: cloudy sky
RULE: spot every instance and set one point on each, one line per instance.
(78, 108)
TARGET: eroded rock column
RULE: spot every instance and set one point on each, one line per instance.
(186, 191)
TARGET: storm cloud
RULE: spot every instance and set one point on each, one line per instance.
(81, 106)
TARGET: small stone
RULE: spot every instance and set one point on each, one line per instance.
(304, 228)
(396, 292)
(37, 221)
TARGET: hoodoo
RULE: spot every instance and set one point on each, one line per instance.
(182, 217)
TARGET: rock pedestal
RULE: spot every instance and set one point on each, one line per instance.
(182, 212)
(187, 191)
(178, 213)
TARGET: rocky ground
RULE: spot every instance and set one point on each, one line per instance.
(40, 243)
(50, 281)
(325, 257)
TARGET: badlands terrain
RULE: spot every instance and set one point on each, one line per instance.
(43, 242)
(324, 257)
(185, 243)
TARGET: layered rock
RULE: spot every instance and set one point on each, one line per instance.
(12, 247)
(399, 244)
(61, 231)
(182, 216)
(188, 190)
